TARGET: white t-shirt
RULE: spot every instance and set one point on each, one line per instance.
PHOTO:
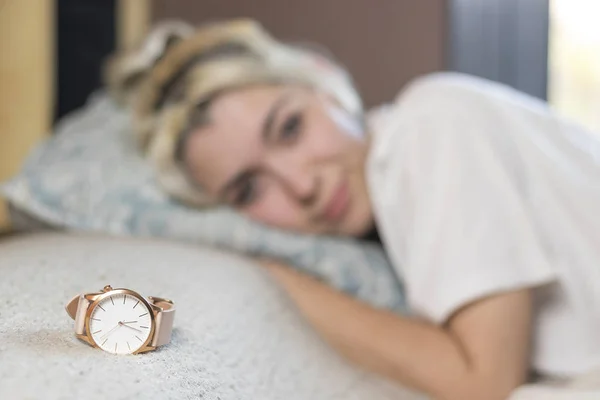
(479, 189)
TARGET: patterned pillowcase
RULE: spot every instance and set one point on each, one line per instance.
(90, 177)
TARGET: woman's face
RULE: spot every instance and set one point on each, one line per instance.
(276, 154)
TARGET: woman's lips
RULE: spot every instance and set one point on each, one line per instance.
(338, 203)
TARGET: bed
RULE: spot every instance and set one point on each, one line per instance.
(236, 334)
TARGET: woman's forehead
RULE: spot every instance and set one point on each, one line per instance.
(232, 138)
(252, 101)
(239, 116)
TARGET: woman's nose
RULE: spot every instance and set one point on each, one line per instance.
(301, 182)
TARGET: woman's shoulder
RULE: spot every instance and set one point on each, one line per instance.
(454, 90)
(441, 82)
(441, 103)
(447, 116)
(431, 95)
(436, 98)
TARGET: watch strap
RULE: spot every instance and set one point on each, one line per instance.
(164, 320)
(72, 306)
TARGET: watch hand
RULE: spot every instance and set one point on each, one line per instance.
(129, 322)
(111, 331)
(131, 327)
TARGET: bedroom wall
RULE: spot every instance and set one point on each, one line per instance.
(26, 81)
(384, 43)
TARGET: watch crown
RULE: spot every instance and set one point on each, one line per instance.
(107, 288)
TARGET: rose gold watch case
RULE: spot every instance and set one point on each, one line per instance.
(76, 307)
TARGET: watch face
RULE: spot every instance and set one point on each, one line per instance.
(120, 323)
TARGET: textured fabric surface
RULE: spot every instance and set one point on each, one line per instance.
(236, 336)
(583, 387)
(90, 177)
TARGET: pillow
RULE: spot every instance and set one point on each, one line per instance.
(236, 336)
(90, 177)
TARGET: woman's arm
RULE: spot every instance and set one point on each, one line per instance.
(482, 352)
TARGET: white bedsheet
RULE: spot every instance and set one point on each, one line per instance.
(236, 336)
(585, 387)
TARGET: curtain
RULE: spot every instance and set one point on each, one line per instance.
(502, 40)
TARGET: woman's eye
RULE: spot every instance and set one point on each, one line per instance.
(291, 127)
(246, 194)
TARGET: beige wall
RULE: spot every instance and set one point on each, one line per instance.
(26, 81)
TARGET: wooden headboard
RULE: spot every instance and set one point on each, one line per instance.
(26, 82)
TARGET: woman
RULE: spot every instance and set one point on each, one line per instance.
(487, 202)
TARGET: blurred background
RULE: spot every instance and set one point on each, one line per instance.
(51, 51)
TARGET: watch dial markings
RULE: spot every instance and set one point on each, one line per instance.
(120, 324)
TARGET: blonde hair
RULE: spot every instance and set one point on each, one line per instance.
(178, 69)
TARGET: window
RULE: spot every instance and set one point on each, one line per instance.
(574, 60)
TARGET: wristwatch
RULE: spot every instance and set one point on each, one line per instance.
(120, 321)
